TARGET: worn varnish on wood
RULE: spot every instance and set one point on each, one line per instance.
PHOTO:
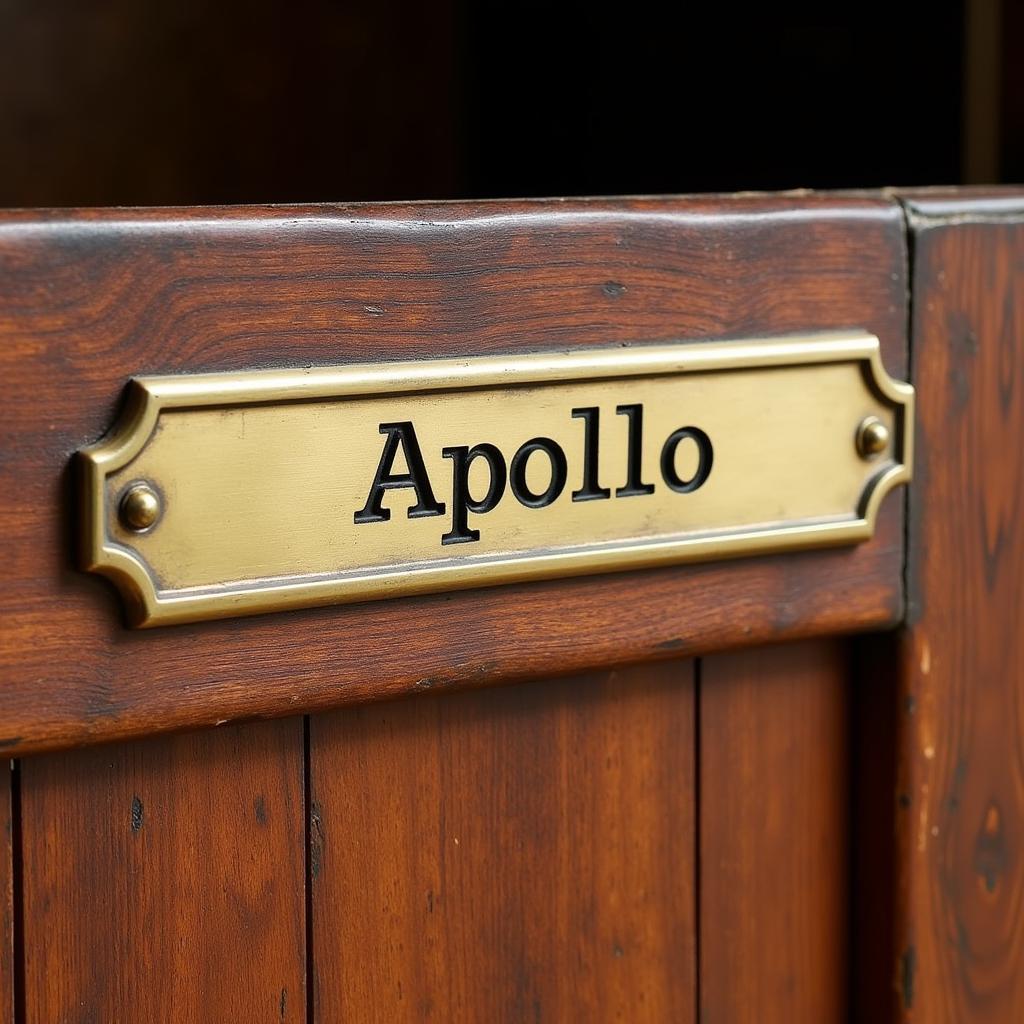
(511, 854)
(88, 299)
(8, 968)
(960, 800)
(164, 880)
(774, 830)
(632, 843)
(525, 852)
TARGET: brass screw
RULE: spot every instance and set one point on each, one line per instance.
(872, 437)
(140, 507)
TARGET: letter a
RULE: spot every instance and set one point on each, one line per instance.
(426, 505)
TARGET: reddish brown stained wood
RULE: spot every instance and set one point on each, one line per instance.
(773, 835)
(960, 928)
(6, 897)
(976, 203)
(514, 854)
(164, 879)
(89, 298)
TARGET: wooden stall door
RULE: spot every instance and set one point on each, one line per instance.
(676, 795)
(561, 850)
(561, 801)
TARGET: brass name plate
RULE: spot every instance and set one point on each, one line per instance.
(232, 494)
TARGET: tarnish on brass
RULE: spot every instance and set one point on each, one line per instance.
(218, 495)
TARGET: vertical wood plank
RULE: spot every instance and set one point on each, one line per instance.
(523, 853)
(960, 926)
(6, 894)
(164, 879)
(773, 835)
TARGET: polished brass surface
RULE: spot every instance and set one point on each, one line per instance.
(139, 508)
(872, 437)
(265, 472)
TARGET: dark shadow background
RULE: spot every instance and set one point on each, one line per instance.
(130, 102)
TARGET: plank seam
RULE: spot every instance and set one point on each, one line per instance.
(18, 980)
(308, 839)
(698, 664)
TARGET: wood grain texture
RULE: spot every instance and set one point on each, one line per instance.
(515, 854)
(89, 298)
(960, 926)
(164, 880)
(774, 828)
(7, 924)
